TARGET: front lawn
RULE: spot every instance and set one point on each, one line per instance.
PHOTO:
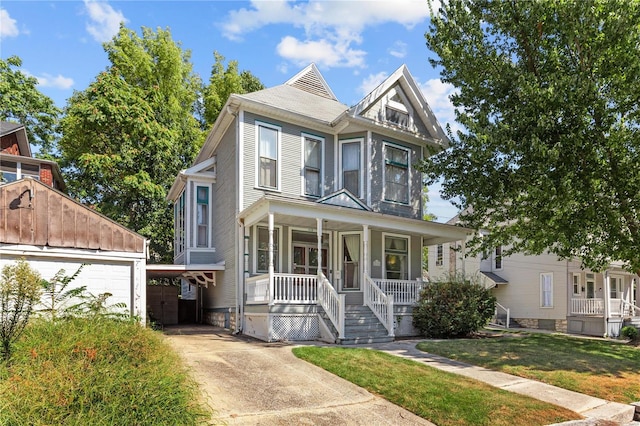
(604, 369)
(440, 397)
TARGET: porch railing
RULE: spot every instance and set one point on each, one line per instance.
(380, 303)
(629, 309)
(295, 288)
(507, 311)
(404, 292)
(257, 289)
(587, 306)
(332, 303)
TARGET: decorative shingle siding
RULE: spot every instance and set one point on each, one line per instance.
(9, 144)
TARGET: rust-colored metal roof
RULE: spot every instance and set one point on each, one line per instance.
(32, 213)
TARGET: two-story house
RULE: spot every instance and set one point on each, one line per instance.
(305, 214)
(542, 291)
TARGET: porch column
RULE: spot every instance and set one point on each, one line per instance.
(319, 235)
(271, 269)
(463, 248)
(365, 263)
(606, 301)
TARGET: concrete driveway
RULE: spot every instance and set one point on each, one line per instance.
(249, 382)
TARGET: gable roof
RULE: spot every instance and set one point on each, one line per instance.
(403, 77)
(7, 128)
(310, 80)
(344, 198)
(33, 213)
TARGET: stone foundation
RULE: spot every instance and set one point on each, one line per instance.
(220, 318)
(560, 325)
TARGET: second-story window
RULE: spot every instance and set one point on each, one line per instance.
(498, 258)
(202, 213)
(396, 174)
(439, 254)
(268, 156)
(351, 159)
(312, 166)
(179, 223)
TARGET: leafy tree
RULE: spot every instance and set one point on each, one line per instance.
(222, 84)
(126, 137)
(22, 102)
(19, 292)
(58, 301)
(549, 97)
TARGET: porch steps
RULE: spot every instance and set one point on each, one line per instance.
(362, 326)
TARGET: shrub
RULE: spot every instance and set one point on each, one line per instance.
(455, 307)
(19, 292)
(630, 332)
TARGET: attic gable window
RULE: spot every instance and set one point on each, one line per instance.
(396, 112)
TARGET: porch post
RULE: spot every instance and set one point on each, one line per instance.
(463, 250)
(271, 269)
(319, 235)
(606, 301)
(365, 263)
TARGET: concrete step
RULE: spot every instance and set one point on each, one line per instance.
(364, 340)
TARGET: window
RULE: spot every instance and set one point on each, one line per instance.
(546, 290)
(268, 156)
(9, 171)
(178, 214)
(396, 258)
(439, 254)
(263, 249)
(591, 286)
(396, 112)
(615, 287)
(312, 166)
(396, 174)
(30, 170)
(498, 258)
(351, 167)
(577, 290)
(202, 216)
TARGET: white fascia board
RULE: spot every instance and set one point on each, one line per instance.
(69, 253)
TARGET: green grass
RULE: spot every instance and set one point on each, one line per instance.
(440, 397)
(96, 372)
(604, 369)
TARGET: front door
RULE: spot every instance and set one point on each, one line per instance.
(305, 260)
(350, 261)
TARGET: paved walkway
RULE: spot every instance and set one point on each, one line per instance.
(257, 383)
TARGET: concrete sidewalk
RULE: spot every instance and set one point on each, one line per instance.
(595, 410)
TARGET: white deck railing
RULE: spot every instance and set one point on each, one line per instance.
(257, 289)
(380, 303)
(404, 292)
(629, 309)
(295, 288)
(332, 303)
(617, 307)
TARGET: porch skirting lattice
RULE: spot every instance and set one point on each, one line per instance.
(294, 327)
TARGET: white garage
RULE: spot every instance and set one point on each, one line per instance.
(53, 232)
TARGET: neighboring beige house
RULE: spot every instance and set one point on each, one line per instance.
(301, 217)
(548, 293)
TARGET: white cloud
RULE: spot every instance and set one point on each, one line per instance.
(399, 49)
(8, 27)
(331, 28)
(105, 21)
(371, 82)
(437, 95)
(58, 82)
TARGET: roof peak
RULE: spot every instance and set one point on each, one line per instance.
(310, 80)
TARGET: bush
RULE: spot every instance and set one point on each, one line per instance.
(630, 332)
(455, 307)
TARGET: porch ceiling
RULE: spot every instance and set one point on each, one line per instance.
(304, 214)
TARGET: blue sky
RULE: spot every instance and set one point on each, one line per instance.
(355, 44)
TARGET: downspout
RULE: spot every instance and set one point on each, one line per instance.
(239, 240)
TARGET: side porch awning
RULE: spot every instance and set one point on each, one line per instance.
(495, 279)
(198, 274)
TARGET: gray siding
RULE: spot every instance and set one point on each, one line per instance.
(377, 253)
(414, 208)
(202, 257)
(291, 167)
(224, 196)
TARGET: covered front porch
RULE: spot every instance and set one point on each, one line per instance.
(315, 265)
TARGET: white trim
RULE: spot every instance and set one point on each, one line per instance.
(494, 257)
(254, 244)
(384, 172)
(384, 249)
(361, 195)
(336, 148)
(303, 165)
(370, 169)
(278, 129)
(340, 249)
(240, 160)
(542, 291)
(314, 244)
(207, 185)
